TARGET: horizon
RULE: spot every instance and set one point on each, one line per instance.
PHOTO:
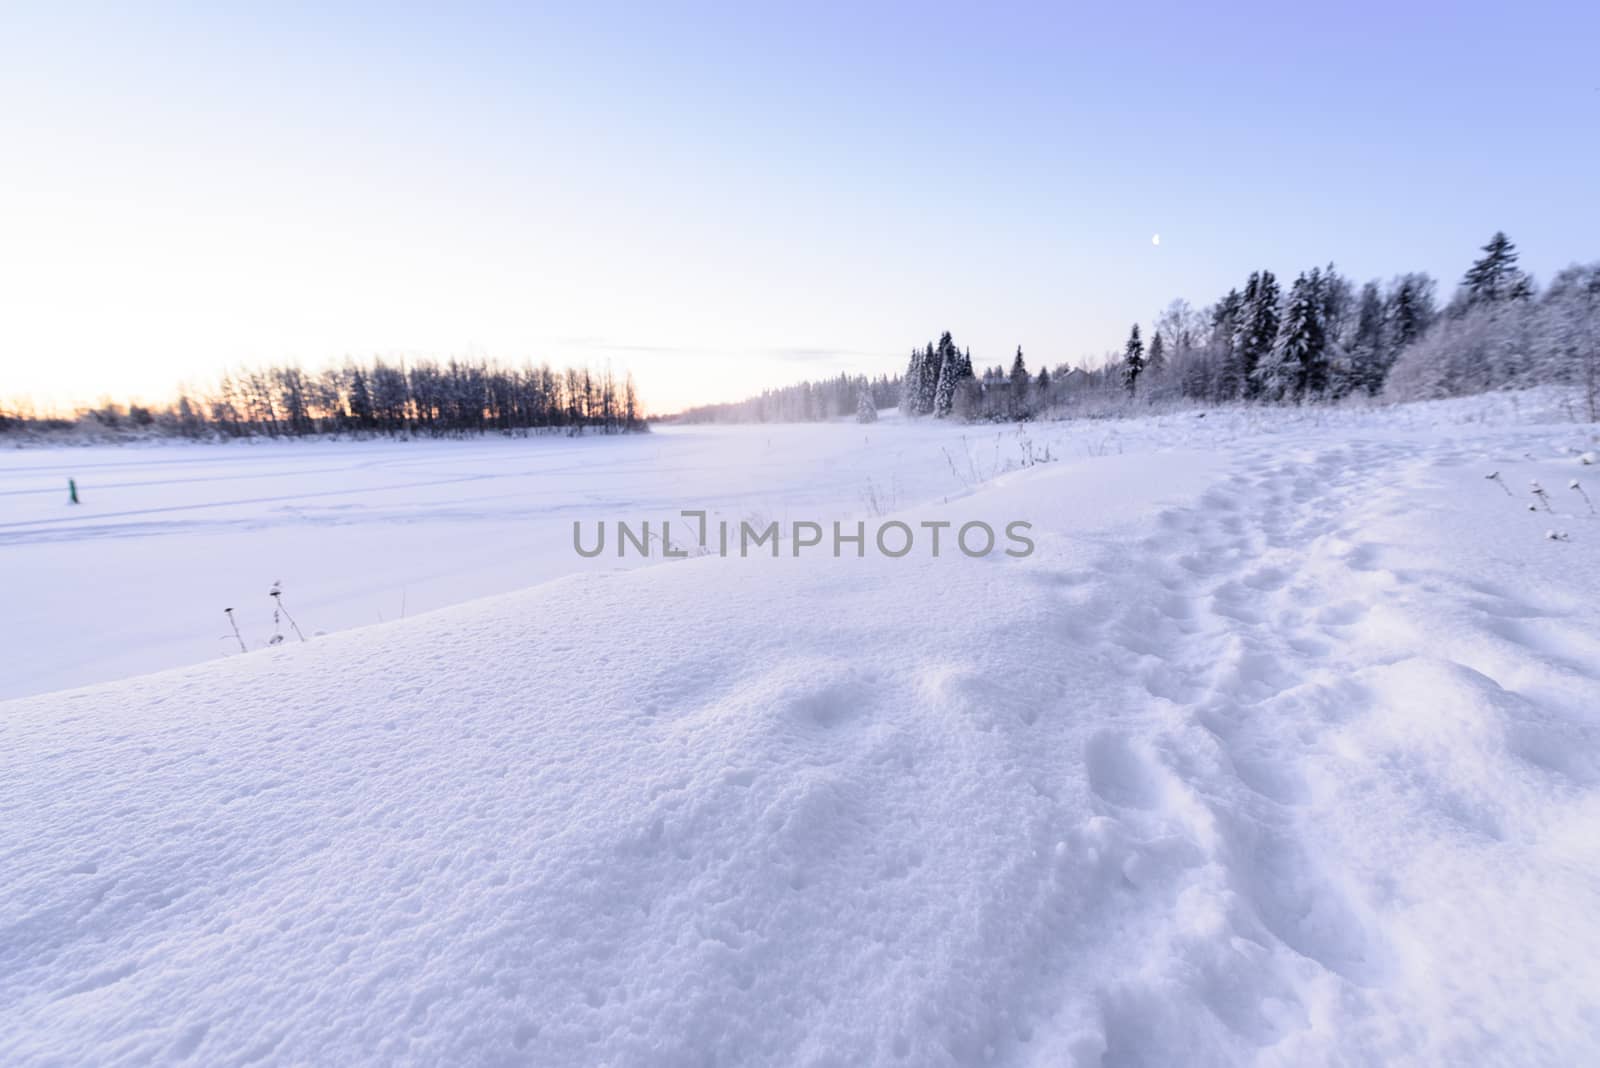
(725, 202)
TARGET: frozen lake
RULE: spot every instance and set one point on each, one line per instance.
(135, 577)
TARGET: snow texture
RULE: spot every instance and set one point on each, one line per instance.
(1282, 749)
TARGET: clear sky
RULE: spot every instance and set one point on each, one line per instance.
(725, 197)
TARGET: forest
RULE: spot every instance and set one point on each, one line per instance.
(1319, 339)
(424, 398)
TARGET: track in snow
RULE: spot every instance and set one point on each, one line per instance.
(1285, 669)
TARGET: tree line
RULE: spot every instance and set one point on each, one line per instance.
(803, 402)
(1323, 338)
(422, 398)
(1320, 338)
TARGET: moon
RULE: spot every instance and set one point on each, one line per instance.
(1155, 239)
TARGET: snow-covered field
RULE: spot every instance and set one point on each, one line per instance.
(135, 577)
(1283, 748)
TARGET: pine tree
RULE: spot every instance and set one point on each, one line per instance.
(1157, 361)
(945, 392)
(866, 409)
(1496, 276)
(1219, 378)
(933, 360)
(1257, 330)
(1019, 385)
(1410, 311)
(1041, 387)
(1243, 350)
(911, 387)
(1336, 298)
(1132, 361)
(1369, 347)
(1297, 366)
(1329, 294)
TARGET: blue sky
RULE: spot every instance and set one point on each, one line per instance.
(728, 196)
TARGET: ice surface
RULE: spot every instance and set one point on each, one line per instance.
(1281, 749)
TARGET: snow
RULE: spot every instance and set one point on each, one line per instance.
(1281, 749)
(136, 577)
